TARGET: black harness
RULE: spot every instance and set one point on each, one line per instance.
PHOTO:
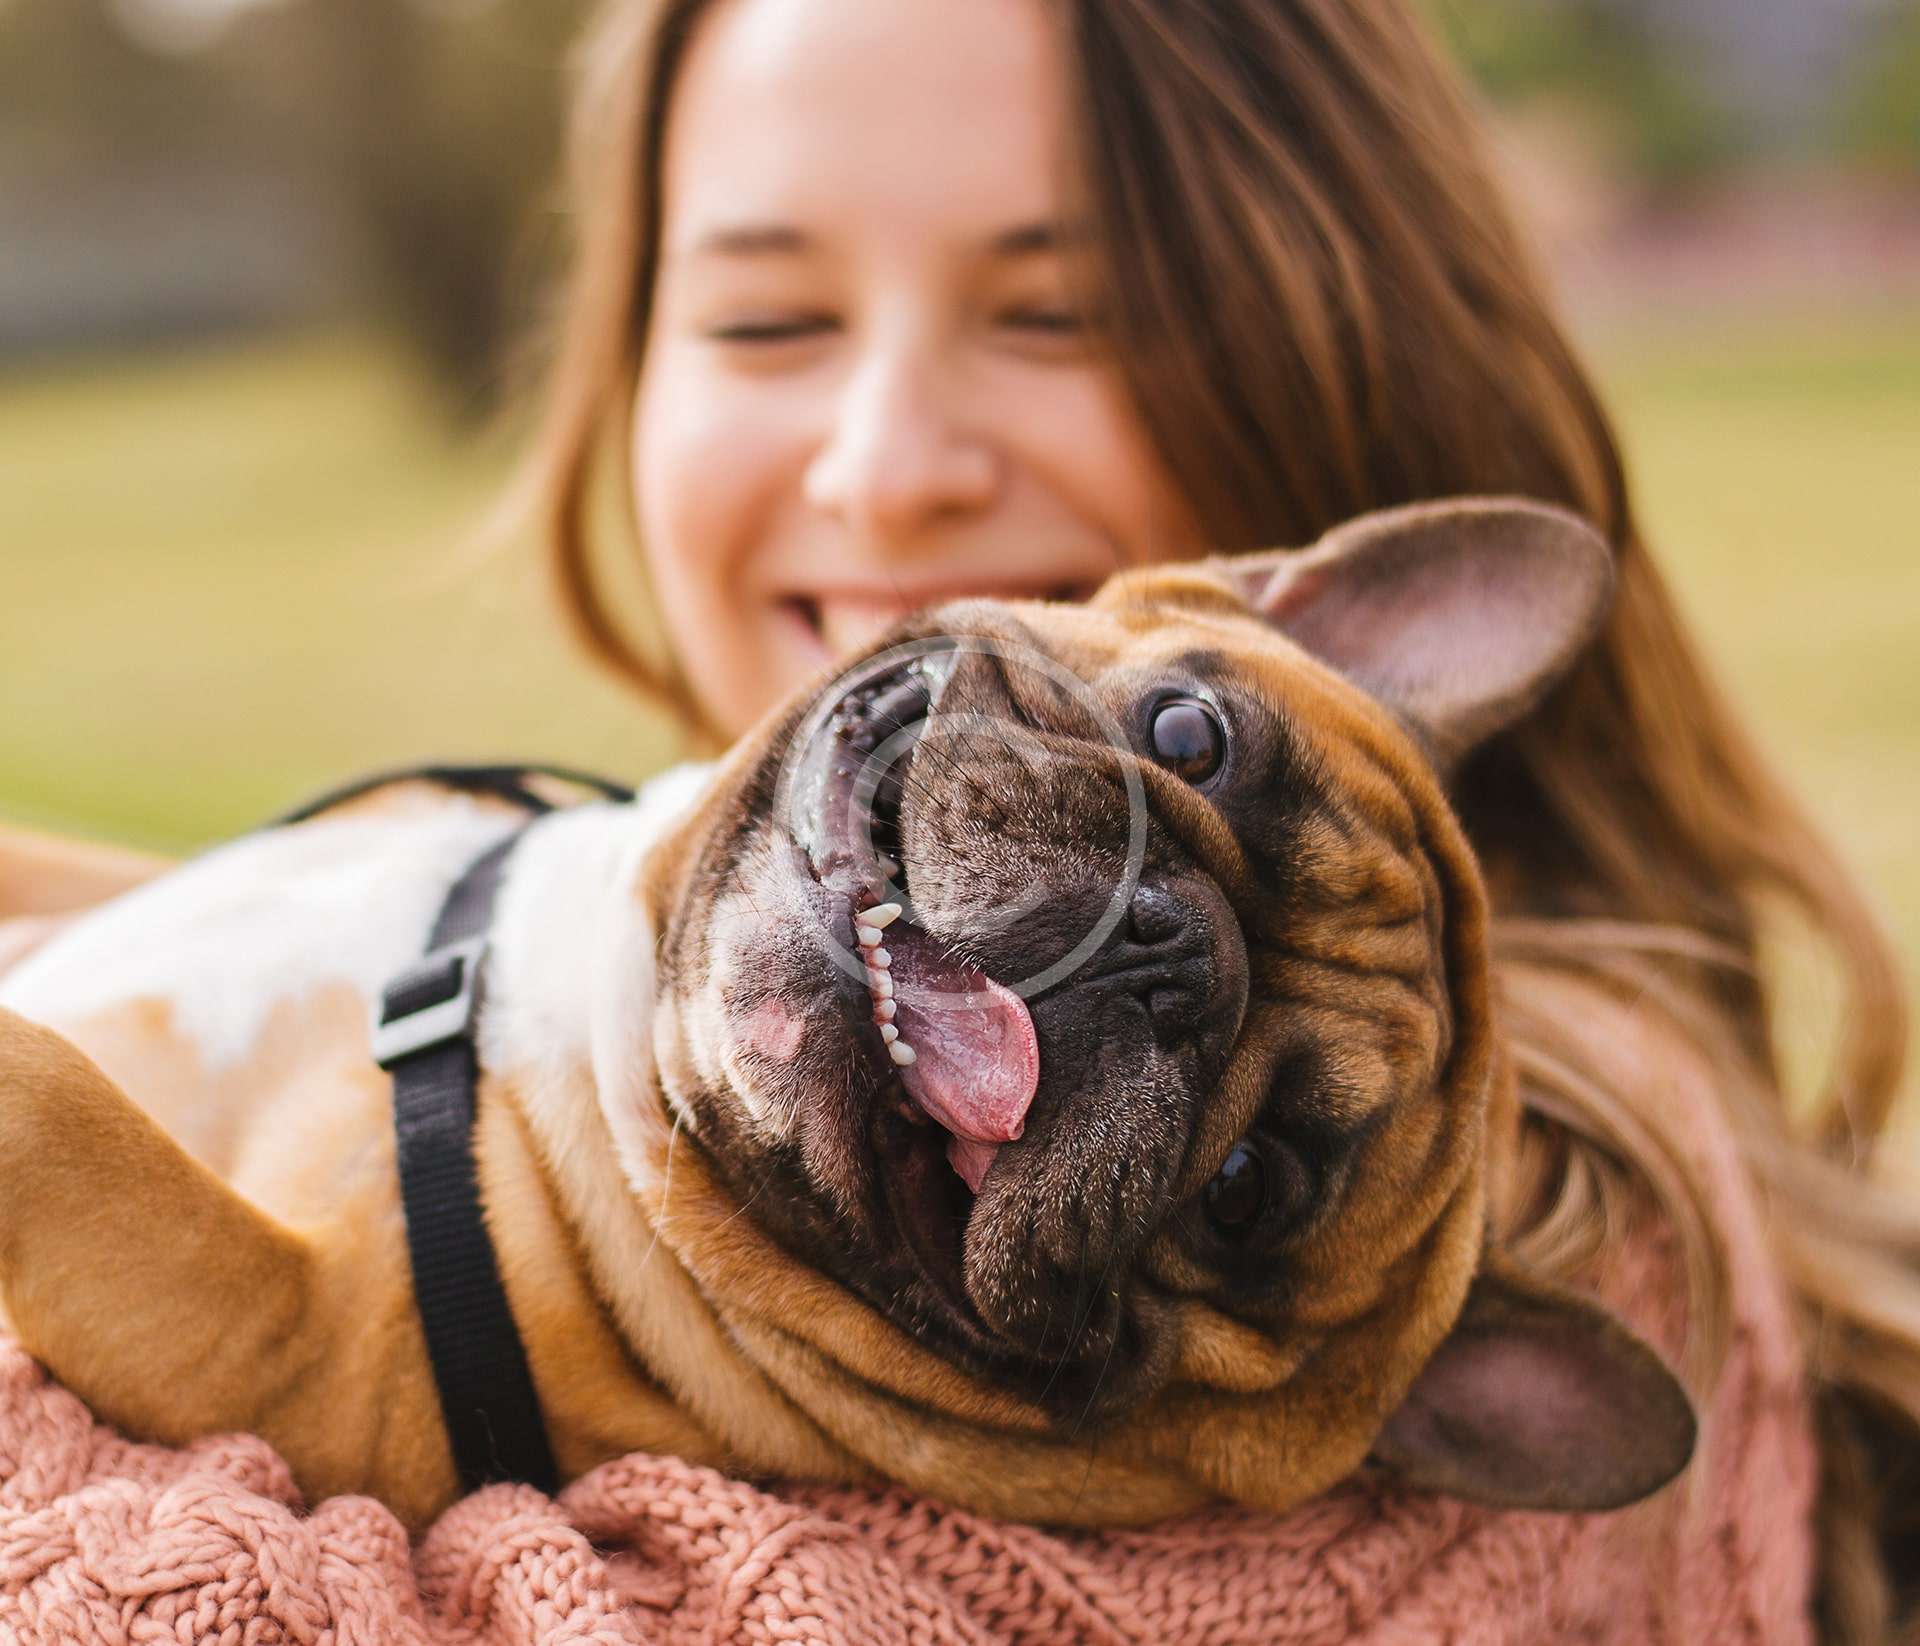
(423, 1036)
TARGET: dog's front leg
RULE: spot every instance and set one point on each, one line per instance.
(144, 1283)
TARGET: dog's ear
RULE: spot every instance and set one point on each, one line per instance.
(1539, 1399)
(1458, 615)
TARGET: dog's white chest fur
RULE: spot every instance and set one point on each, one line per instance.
(350, 900)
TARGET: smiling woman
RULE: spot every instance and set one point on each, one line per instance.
(869, 382)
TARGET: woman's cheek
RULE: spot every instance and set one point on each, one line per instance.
(1084, 440)
(692, 464)
(713, 466)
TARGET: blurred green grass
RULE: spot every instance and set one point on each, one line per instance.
(229, 578)
(1777, 466)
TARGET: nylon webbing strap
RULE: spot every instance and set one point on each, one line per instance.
(424, 1037)
(503, 782)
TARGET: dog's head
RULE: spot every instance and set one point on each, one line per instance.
(1100, 993)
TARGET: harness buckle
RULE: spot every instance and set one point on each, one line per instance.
(432, 1002)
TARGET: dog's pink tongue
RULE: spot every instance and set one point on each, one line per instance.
(976, 1062)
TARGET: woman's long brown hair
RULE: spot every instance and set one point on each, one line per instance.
(1321, 306)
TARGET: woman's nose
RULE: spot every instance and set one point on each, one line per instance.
(895, 461)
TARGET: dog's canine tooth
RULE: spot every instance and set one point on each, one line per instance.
(881, 914)
(889, 1033)
(901, 1053)
(880, 958)
(867, 936)
(885, 1010)
(887, 866)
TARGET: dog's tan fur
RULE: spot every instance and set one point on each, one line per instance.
(195, 1249)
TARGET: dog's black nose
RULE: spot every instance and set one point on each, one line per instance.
(1155, 915)
(1165, 957)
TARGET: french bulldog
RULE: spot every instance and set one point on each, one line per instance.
(1051, 1066)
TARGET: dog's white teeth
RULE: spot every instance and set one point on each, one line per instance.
(887, 866)
(889, 1033)
(881, 914)
(881, 984)
(867, 936)
(901, 1053)
(880, 958)
(885, 1010)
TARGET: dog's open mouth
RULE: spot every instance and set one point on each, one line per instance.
(953, 1048)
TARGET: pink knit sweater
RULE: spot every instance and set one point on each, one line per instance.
(102, 1539)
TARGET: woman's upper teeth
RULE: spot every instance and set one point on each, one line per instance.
(849, 622)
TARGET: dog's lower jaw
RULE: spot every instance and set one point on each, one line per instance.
(764, 1365)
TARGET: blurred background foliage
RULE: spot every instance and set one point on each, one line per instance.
(1684, 91)
(186, 167)
(181, 167)
(266, 267)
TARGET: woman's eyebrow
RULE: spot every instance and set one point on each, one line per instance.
(1035, 239)
(786, 240)
(751, 240)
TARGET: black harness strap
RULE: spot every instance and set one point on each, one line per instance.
(503, 782)
(424, 1036)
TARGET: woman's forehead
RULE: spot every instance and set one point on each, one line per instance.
(796, 124)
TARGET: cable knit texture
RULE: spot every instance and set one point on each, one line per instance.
(106, 1540)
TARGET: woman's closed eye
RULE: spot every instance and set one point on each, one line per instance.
(772, 329)
(1042, 323)
(1043, 332)
(1062, 321)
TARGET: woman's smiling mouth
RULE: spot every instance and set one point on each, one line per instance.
(838, 622)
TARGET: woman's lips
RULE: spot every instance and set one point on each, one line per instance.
(844, 621)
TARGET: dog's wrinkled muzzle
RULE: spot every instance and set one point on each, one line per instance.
(1041, 1011)
(963, 1045)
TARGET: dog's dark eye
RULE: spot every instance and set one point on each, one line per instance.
(1188, 739)
(1237, 1194)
